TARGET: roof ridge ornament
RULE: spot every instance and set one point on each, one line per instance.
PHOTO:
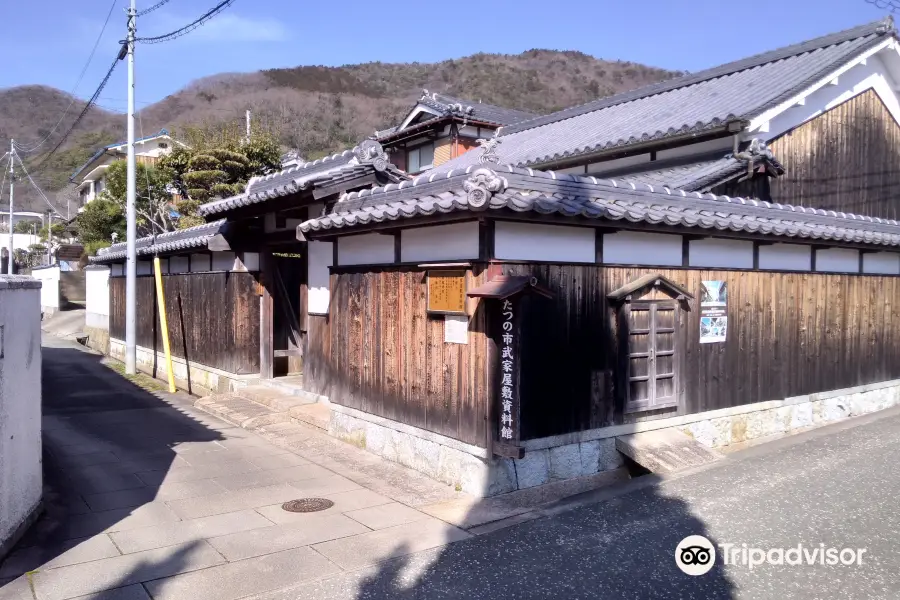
(489, 150)
(370, 151)
(481, 185)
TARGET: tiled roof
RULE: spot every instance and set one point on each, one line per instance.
(344, 166)
(448, 106)
(101, 151)
(548, 193)
(695, 103)
(700, 173)
(182, 239)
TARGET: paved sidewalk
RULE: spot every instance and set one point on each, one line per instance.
(153, 498)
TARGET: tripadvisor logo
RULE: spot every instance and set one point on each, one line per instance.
(696, 555)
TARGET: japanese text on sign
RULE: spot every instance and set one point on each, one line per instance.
(507, 385)
(447, 292)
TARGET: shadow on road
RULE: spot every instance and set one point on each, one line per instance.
(108, 448)
(623, 547)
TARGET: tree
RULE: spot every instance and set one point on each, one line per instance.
(206, 172)
(57, 229)
(152, 196)
(24, 226)
(97, 223)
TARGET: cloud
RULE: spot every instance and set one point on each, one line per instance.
(231, 27)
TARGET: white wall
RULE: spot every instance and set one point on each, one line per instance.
(837, 260)
(366, 249)
(250, 261)
(735, 254)
(553, 243)
(200, 262)
(117, 269)
(20, 403)
(882, 262)
(178, 264)
(785, 257)
(639, 248)
(144, 267)
(49, 278)
(20, 240)
(96, 283)
(320, 256)
(223, 261)
(440, 242)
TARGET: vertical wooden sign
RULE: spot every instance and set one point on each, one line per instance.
(509, 378)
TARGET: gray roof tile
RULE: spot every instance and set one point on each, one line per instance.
(545, 192)
(694, 103)
(173, 241)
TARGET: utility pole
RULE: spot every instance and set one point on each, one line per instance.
(12, 185)
(130, 221)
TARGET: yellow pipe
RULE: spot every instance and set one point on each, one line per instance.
(163, 323)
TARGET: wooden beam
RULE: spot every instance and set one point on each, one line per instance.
(598, 246)
(398, 247)
(686, 251)
(486, 236)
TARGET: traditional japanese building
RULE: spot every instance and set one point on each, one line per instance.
(700, 254)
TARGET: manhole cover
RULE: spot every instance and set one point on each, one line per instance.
(307, 505)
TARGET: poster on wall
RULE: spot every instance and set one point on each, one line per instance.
(713, 312)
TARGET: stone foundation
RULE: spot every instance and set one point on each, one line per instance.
(197, 379)
(587, 453)
(98, 339)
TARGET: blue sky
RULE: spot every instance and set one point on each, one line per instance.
(52, 38)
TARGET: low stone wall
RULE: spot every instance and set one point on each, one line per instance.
(98, 338)
(194, 378)
(587, 453)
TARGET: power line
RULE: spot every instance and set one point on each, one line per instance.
(189, 27)
(39, 191)
(87, 107)
(147, 11)
(35, 146)
(891, 5)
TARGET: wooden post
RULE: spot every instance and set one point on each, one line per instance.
(266, 318)
(507, 389)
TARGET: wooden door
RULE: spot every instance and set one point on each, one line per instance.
(652, 375)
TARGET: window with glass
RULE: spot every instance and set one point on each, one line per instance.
(420, 158)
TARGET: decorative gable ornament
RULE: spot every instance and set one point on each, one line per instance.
(370, 151)
(481, 186)
(489, 150)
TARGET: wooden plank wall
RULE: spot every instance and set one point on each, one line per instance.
(213, 318)
(789, 334)
(379, 352)
(846, 159)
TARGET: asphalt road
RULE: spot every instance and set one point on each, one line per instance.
(836, 486)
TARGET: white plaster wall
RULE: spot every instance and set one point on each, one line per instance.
(20, 240)
(872, 75)
(837, 260)
(882, 262)
(527, 241)
(223, 261)
(200, 262)
(178, 264)
(785, 257)
(440, 242)
(49, 278)
(144, 267)
(251, 261)
(726, 253)
(20, 403)
(366, 249)
(96, 282)
(320, 256)
(640, 248)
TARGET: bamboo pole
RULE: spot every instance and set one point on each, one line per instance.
(163, 323)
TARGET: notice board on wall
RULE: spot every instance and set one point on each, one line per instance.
(713, 312)
(446, 292)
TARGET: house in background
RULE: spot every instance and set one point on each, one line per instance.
(440, 128)
(36, 217)
(90, 178)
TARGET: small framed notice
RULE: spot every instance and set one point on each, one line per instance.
(456, 329)
(446, 292)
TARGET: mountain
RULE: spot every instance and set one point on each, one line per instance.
(316, 110)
